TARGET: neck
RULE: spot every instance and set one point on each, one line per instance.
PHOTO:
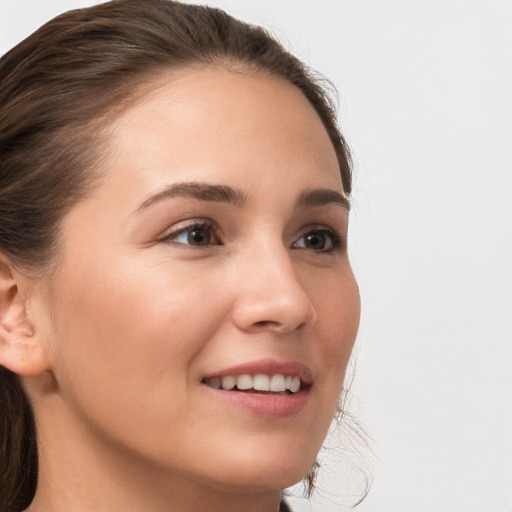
(79, 471)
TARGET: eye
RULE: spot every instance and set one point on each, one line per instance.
(319, 240)
(197, 234)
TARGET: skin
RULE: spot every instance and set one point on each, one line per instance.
(117, 344)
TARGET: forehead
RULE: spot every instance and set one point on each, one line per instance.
(223, 126)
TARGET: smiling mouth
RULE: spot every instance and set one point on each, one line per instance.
(274, 384)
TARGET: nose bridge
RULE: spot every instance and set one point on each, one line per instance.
(272, 296)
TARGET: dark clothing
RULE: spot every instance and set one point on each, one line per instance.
(283, 507)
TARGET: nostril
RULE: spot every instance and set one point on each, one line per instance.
(277, 326)
(264, 323)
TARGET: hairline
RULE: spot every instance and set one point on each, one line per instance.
(145, 85)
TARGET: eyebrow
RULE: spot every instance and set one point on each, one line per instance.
(235, 197)
(200, 191)
(322, 196)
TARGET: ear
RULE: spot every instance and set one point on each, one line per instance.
(20, 349)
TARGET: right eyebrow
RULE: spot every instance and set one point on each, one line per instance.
(201, 191)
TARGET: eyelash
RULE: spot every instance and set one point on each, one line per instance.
(336, 240)
(207, 226)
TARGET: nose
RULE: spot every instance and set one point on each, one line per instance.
(271, 295)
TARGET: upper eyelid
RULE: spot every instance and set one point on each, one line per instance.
(171, 236)
(183, 226)
(322, 227)
(339, 239)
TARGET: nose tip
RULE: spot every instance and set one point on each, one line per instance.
(273, 298)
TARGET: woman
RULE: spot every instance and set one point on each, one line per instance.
(177, 303)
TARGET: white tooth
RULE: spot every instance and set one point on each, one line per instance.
(295, 385)
(288, 382)
(228, 382)
(244, 382)
(261, 382)
(277, 383)
(215, 382)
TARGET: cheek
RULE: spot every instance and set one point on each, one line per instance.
(130, 335)
(338, 309)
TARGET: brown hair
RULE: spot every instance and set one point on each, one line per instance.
(58, 88)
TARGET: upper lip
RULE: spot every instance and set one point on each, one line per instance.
(268, 367)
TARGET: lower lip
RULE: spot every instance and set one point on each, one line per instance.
(266, 406)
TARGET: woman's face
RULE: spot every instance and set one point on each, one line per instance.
(212, 251)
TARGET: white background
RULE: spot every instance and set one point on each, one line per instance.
(425, 101)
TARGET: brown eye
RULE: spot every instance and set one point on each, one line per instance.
(198, 235)
(318, 240)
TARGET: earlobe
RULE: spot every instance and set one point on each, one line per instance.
(20, 348)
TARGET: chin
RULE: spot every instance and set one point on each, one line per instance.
(274, 473)
(258, 482)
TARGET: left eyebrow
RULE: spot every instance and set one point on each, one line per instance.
(322, 196)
